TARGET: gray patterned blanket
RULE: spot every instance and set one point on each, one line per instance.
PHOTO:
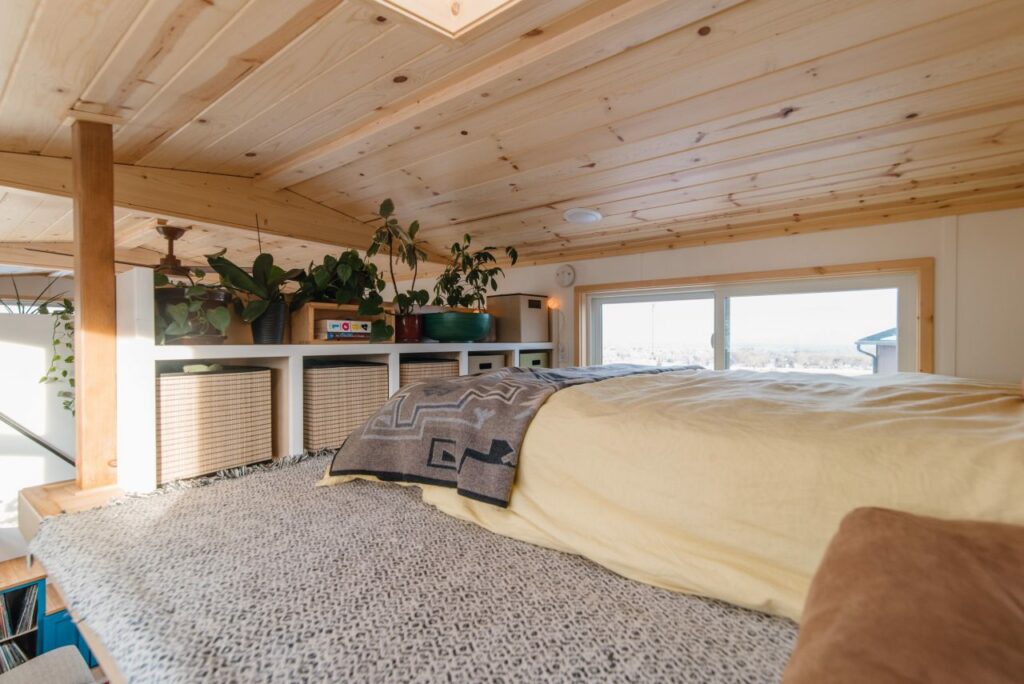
(266, 579)
(464, 432)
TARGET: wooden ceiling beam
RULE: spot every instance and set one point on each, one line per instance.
(624, 25)
(210, 198)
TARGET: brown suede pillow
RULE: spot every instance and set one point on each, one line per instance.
(903, 598)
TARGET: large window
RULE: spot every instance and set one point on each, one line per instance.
(818, 322)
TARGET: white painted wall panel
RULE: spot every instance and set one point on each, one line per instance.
(990, 296)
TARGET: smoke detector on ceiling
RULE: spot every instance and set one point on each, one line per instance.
(584, 216)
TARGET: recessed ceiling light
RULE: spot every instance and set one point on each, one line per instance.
(580, 215)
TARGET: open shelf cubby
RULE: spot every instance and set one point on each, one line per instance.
(20, 613)
(139, 359)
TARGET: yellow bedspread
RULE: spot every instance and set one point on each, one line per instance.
(730, 484)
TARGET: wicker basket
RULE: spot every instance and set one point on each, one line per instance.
(211, 421)
(338, 398)
(416, 370)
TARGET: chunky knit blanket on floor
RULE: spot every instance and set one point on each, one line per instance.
(267, 578)
(463, 432)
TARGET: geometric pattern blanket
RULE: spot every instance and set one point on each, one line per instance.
(465, 432)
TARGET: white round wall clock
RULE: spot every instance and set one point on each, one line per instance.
(565, 276)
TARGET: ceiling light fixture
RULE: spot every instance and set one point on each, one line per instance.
(584, 216)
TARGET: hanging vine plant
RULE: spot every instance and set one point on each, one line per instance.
(62, 362)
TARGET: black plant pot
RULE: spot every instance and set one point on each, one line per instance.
(269, 328)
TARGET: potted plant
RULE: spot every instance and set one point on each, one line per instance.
(402, 246)
(189, 311)
(462, 287)
(346, 280)
(260, 293)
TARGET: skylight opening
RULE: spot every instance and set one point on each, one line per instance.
(453, 18)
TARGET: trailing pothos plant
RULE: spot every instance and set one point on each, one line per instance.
(468, 276)
(62, 360)
(346, 279)
(196, 315)
(258, 291)
(401, 246)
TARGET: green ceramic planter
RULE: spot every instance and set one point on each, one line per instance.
(456, 326)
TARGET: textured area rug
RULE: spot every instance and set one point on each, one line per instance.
(268, 578)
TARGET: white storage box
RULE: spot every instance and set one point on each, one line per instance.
(485, 363)
(520, 317)
(535, 359)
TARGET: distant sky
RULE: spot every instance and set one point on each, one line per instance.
(823, 319)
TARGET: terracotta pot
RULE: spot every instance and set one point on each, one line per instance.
(409, 328)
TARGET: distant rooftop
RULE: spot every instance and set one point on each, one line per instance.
(886, 338)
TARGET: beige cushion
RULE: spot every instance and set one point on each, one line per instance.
(63, 665)
(904, 598)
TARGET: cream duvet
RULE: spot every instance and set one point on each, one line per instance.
(730, 484)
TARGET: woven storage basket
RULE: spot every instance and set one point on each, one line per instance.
(211, 421)
(339, 398)
(426, 369)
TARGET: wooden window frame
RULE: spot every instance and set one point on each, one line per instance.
(922, 269)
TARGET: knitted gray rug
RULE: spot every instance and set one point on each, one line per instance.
(266, 578)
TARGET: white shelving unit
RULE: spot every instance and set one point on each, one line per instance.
(139, 358)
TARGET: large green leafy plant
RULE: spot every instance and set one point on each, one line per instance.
(346, 279)
(259, 290)
(401, 246)
(195, 315)
(469, 275)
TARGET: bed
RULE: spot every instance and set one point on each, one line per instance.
(730, 484)
(721, 487)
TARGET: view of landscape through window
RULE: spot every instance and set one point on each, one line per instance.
(665, 333)
(815, 332)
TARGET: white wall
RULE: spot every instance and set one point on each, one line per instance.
(990, 296)
(25, 348)
(979, 279)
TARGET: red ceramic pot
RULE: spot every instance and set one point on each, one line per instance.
(409, 328)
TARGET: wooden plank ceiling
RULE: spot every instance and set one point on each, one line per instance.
(684, 123)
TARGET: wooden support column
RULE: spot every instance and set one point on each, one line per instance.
(95, 313)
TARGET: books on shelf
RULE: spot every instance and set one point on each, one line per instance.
(343, 326)
(25, 610)
(341, 336)
(27, 619)
(11, 656)
(6, 628)
(332, 329)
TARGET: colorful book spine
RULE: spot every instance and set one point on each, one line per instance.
(351, 327)
(343, 336)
